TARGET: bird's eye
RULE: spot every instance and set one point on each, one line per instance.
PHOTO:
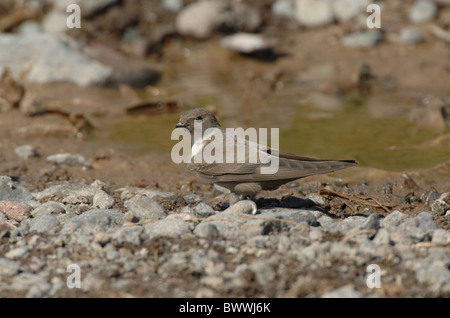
(199, 118)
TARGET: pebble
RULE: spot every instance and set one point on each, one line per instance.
(17, 252)
(100, 199)
(345, 10)
(314, 13)
(145, 208)
(14, 211)
(411, 35)
(243, 207)
(93, 221)
(203, 210)
(26, 151)
(167, 228)
(419, 227)
(202, 18)
(45, 223)
(72, 160)
(423, 11)
(283, 9)
(12, 191)
(206, 230)
(442, 204)
(192, 198)
(363, 40)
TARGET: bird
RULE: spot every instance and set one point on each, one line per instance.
(247, 178)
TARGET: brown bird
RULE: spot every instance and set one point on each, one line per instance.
(247, 178)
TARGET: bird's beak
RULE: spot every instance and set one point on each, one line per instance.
(180, 125)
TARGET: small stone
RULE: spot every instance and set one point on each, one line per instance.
(192, 198)
(72, 160)
(393, 219)
(314, 13)
(283, 9)
(325, 220)
(217, 190)
(423, 11)
(145, 208)
(203, 210)
(93, 221)
(17, 252)
(419, 227)
(442, 204)
(244, 207)
(440, 236)
(363, 40)
(345, 10)
(247, 43)
(411, 36)
(168, 227)
(12, 191)
(372, 222)
(206, 230)
(44, 224)
(382, 238)
(318, 200)
(26, 151)
(14, 211)
(8, 267)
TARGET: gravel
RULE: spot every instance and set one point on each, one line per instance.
(194, 250)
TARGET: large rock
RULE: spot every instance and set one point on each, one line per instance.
(47, 58)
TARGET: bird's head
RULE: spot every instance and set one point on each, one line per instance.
(207, 118)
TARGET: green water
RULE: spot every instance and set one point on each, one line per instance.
(387, 143)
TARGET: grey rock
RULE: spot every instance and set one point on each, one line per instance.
(192, 198)
(145, 208)
(169, 227)
(50, 207)
(243, 207)
(130, 235)
(441, 236)
(8, 267)
(128, 193)
(347, 291)
(203, 210)
(93, 221)
(72, 160)
(411, 35)
(433, 272)
(217, 190)
(423, 11)
(372, 222)
(325, 220)
(43, 54)
(44, 224)
(12, 191)
(419, 227)
(100, 198)
(314, 13)
(393, 219)
(442, 204)
(347, 226)
(318, 200)
(206, 230)
(26, 151)
(382, 238)
(363, 40)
